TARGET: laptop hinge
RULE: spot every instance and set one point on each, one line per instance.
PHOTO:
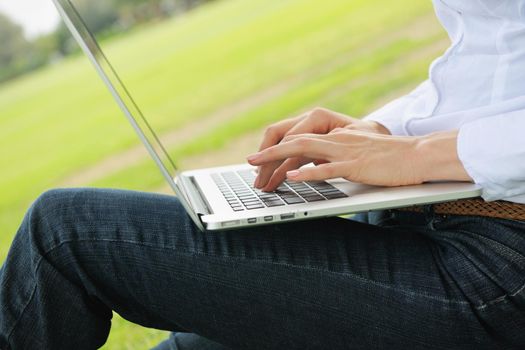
(195, 195)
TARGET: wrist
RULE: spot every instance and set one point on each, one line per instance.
(437, 157)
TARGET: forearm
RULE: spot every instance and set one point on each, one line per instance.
(437, 158)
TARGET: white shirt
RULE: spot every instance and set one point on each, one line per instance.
(478, 87)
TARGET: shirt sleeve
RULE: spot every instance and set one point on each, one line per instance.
(392, 115)
(492, 150)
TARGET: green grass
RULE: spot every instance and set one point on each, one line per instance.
(345, 55)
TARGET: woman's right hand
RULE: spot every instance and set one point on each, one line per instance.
(317, 121)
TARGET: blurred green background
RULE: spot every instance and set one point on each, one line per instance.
(209, 78)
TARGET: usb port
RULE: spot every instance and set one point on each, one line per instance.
(231, 223)
(252, 220)
(268, 218)
(287, 216)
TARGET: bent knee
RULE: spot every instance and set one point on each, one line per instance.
(54, 203)
(60, 215)
(51, 202)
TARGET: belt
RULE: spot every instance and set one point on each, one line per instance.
(476, 207)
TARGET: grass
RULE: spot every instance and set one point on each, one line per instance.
(346, 55)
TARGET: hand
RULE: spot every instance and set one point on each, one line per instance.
(318, 121)
(368, 158)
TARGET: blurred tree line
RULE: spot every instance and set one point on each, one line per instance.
(103, 17)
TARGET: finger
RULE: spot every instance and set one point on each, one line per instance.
(275, 133)
(333, 137)
(272, 136)
(265, 178)
(280, 173)
(319, 121)
(313, 123)
(321, 172)
(309, 147)
(265, 173)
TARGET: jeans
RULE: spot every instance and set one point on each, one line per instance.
(418, 281)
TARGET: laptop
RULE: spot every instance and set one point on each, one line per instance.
(224, 197)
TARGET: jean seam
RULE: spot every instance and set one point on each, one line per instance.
(507, 250)
(243, 258)
(502, 299)
(515, 254)
(10, 333)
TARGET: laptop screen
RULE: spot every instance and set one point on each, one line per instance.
(80, 31)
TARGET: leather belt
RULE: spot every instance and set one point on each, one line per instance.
(476, 207)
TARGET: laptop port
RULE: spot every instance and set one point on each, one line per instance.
(268, 218)
(287, 216)
(252, 220)
(231, 223)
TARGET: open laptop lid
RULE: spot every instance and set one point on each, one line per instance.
(78, 28)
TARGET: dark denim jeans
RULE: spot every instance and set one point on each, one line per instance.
(416, 281)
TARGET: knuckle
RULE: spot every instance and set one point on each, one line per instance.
(270, 131)
(269, 151)
(318, 112)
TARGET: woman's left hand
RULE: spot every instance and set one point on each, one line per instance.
(363, 157)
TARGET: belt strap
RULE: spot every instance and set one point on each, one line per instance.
(476, 207)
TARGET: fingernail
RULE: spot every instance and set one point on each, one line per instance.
(293, 173)
(253, 157)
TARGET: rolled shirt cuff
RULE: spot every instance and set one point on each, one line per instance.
(493, 154)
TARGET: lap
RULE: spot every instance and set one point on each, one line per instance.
(328, 283)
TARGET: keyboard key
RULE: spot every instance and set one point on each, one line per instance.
(336, 195)
(307, 193)
(296, 184)
(293, 200)
(251, 201)
(329, 190)
(325, 189)
(240, 189)
(284, 193)
(275, 203)
(269, 197)
(315, 184)
(314, 198)
(254, 206)
(246, 196)
(290, 198)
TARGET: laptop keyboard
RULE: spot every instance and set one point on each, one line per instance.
(238, 190)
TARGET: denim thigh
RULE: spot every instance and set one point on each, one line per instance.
(428, 282)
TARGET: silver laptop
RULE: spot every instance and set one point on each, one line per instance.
(224, 197)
